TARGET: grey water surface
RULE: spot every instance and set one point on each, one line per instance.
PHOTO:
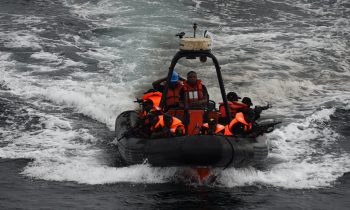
(69, 67)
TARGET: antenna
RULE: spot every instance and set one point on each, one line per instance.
(194, 29)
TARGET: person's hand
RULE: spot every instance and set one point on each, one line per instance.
(179, 131)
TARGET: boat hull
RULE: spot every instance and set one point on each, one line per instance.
(196, 150)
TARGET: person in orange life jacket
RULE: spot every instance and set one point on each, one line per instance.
(146, 123)
(212, 128)
(148, 107)
(153, 95)
(150, 101)
(173, 94)
(194, 93)
(233, 103)
(242, 123)
(166, 126)
(257, 109)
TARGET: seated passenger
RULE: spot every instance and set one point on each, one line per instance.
(242, 123)
(167, 126)
(233, 103)
(257, 109)
(173, 94)
(144, 125)
(212, 127)
(194, 94)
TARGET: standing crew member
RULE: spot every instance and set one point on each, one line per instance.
(173, 94)
(194, 93)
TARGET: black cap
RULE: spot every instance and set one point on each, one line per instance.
(232, 96)
(247, 101)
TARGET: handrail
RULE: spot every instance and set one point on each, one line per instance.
(194, 54)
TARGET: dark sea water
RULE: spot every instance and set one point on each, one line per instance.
(69, 67)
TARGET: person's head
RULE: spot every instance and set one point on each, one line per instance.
(174, 77)
(147, 105)
(203, 59)
(191, 77)
(212, 123)
(247, 101)
(249, 115)
(168, 120)
(232, 96)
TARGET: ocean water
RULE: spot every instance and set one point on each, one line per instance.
(69, 67)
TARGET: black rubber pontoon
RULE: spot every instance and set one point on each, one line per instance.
(196, 150)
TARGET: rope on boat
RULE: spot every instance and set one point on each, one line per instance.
(229, 163)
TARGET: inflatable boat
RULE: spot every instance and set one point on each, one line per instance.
(191, 149)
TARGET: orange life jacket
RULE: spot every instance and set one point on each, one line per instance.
(234, 107)
(176, 123)
(155, 97)
(193, 93)
(173, 94)
(218, 128)
(238, 119)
